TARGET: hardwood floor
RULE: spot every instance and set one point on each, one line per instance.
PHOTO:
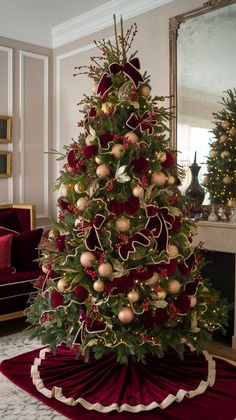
(16, 325)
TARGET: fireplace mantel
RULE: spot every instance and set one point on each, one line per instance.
(218, 236)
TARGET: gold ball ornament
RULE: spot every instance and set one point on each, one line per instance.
(137, 191)
(225, 124)
(205, 180)
(107, 107)
(232, 131)
(158, 178)
(223, 138)
(62, 284)
(98, 160)
(172, 251)
(87, 259)
(170, 180)
(64, 190)
(145, 91)
(126, 315)
(132, 137)
(225, 154)
(161, 156)
(193, 301)
(153, 280)
(231, 202)
(103, 171)
(174, 286)
(122, 224)
(213, 153)
(105, 270)
(117, 150)
(82, 203)
(227, 180)
(99, 286)
(133, 296)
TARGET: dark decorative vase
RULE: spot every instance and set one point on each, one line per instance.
(194, 190)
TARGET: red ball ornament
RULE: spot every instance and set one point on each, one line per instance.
(105, 270)
(126, 315)
(87, 259)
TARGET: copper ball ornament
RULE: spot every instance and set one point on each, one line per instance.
(232, 131)
(62, 284)
(225, 124)
(158, 178)
(227, 180)
(105, 270)
(161, 156)
(117, 150)
(225, 154)
(126, 315)
(132, 137)
(145, 91)
(87, 259)
(103, 171)
(137, 191)
(223, 138)
(170, 180)
(213, 154)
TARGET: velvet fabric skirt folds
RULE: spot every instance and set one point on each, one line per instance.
(104, 383)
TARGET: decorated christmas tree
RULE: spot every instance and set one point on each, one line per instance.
(221, 178)
(120, 272)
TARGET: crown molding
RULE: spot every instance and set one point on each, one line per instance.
(100, 18)
(25, 31)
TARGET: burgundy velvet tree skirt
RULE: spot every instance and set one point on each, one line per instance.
(167, 388)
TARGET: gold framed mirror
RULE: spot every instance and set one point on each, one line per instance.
(202, 68)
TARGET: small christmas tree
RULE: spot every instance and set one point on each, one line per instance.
(221, 178)
(121, 274)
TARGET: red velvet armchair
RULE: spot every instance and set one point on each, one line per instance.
(17, 228)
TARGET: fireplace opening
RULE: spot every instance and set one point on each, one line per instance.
(220, 270)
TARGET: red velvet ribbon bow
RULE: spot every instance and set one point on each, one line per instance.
(130, 69)
(92, 242)
(91, 325)
(146, 122)
(159, 223)
(139, 238)
(104, 140)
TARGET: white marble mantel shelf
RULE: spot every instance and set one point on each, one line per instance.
(221, 237)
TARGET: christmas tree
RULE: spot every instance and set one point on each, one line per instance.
(221, 178)
(120, 272)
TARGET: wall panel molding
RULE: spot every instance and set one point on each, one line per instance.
(45, 175)
(10, 146)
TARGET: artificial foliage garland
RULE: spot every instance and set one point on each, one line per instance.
(220, 180)
(120, 273)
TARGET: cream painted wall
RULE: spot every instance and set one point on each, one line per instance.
(32, 173)
(152, 42)
(26, 95)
